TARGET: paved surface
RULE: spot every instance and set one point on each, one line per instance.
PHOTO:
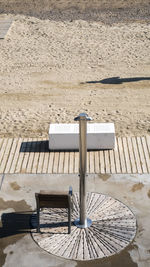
(17, 202)
(28, 155)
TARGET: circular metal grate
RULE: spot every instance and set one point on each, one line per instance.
(113, 228)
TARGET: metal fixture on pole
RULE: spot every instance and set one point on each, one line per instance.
(83, 221)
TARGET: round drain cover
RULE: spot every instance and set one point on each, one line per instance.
(113, 228)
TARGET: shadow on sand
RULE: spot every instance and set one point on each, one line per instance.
(118, 80)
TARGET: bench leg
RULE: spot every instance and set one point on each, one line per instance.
(69, 220)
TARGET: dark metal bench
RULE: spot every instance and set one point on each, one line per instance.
(52, 199)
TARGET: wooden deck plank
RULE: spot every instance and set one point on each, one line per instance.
(148, 143)
(66, 162)
(146, 153)
(71, 165)
(50, 163)
(112, 161)
(56, 162)
(126, 153)
(141, 155)
(6, 155)
(92, 162)
(61, 162)
(117, 159)
(107, 161)
(16, 156)
(21, 155)
(46, 158)
(31, 155)
(41, 156)
(36, 156)
(76, 162)
(2, 151)
(121, 154)
(11, 155)
(87, 162)
(102, 162)
(136, 154)
(131, 155)
(26, 156)
(97, 165)
(1, 142)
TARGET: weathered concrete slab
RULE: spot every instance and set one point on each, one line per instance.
(17, 202)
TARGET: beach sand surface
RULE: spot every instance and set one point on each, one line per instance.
(61, 58)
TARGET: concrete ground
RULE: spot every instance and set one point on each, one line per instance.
(17, 201)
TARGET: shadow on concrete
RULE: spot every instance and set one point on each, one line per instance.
(20, 223)
(118, 80)
(15, 223)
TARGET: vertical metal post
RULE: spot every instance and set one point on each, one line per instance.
(83, 221)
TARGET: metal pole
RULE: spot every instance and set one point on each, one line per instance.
(83, 221)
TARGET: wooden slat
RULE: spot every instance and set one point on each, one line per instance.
(146, 153)
(97, 165)
(46, 160)
(36, 156)
(107, 162)
(11, 155)
(102, 162)
(141, 154)
(112, 161)
(121, 154)
(2, 151)
(26, 156)
(76, 162)
(117, 159)
(131, 155)
(66, 162)
(71, 165)
(148, 143)
(16, 156)
(41, 156)
(92, 162)
(51, 162)
(136, 154)
(56, 162)
(21, 155)
(31, 155)
(6, 155)
(1, 141)
(61, 162)
(126, 153)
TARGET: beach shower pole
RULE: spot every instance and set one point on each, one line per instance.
(83, 221)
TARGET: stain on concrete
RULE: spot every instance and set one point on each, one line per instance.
(122, 259)
(137, 187)
(104, 177)
(14, 225)
(148, 193)
(15, 186)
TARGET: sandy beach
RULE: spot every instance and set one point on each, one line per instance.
(61, 58)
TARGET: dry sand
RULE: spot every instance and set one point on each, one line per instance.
(60, 58)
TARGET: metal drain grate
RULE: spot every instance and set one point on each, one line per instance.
(113, 228)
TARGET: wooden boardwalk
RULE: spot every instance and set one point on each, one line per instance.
(4, 27)
(28, 155)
